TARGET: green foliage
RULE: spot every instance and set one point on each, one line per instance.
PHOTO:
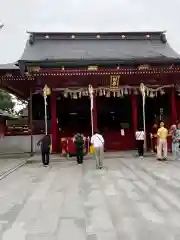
(6, 102)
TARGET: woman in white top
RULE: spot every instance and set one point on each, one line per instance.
(140, 141)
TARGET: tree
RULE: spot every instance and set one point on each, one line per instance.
(6, 102)
(20, 106)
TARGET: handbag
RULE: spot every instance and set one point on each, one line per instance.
(91, 150)
(51, 148)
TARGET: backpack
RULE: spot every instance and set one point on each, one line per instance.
(79, 141)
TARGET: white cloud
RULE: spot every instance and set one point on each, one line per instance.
(83, 15)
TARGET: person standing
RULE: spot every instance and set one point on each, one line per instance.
(172, 132)
(178, 141)
(140, 142)
(162, 135)
(45, 144)
(153, 136)
(98, 143)
(175, 133)
(79, 142)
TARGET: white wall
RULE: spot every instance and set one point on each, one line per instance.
(19, 144)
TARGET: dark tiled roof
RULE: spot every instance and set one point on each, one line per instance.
(9, 66)
(77, 47)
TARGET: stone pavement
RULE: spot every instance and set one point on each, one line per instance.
(108, 155)
(9, 164)
(131, 199)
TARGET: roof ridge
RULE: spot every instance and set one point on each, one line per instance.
(98, 32)
(97, 36)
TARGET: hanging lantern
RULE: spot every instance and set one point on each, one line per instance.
(114, 94)
(104, 92)
(151, 94)
(79, 94)
(156, 93)
(75, 95)
(125, 91)
(100, 93)
(65, 94)
(108, 94)
(162, 92)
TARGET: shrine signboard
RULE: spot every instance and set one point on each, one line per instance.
(114, 81)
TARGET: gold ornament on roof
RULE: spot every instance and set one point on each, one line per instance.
(92, 68)
(35, 69)
(143, 67)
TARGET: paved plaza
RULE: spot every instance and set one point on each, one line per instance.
(130, 199)
(8, 164)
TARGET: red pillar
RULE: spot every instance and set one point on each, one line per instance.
(134, 112)
(173, 107)
(94, 114)
(53, 121)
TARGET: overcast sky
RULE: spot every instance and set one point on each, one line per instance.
(83, 15)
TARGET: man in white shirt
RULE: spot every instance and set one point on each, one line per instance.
(98, 142)
(140, 141)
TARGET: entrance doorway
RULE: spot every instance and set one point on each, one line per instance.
(156, 109)
(114, 122)
(73, 116)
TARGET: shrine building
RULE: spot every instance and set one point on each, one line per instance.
(114, 65)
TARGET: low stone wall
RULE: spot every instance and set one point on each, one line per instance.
(19, 144)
